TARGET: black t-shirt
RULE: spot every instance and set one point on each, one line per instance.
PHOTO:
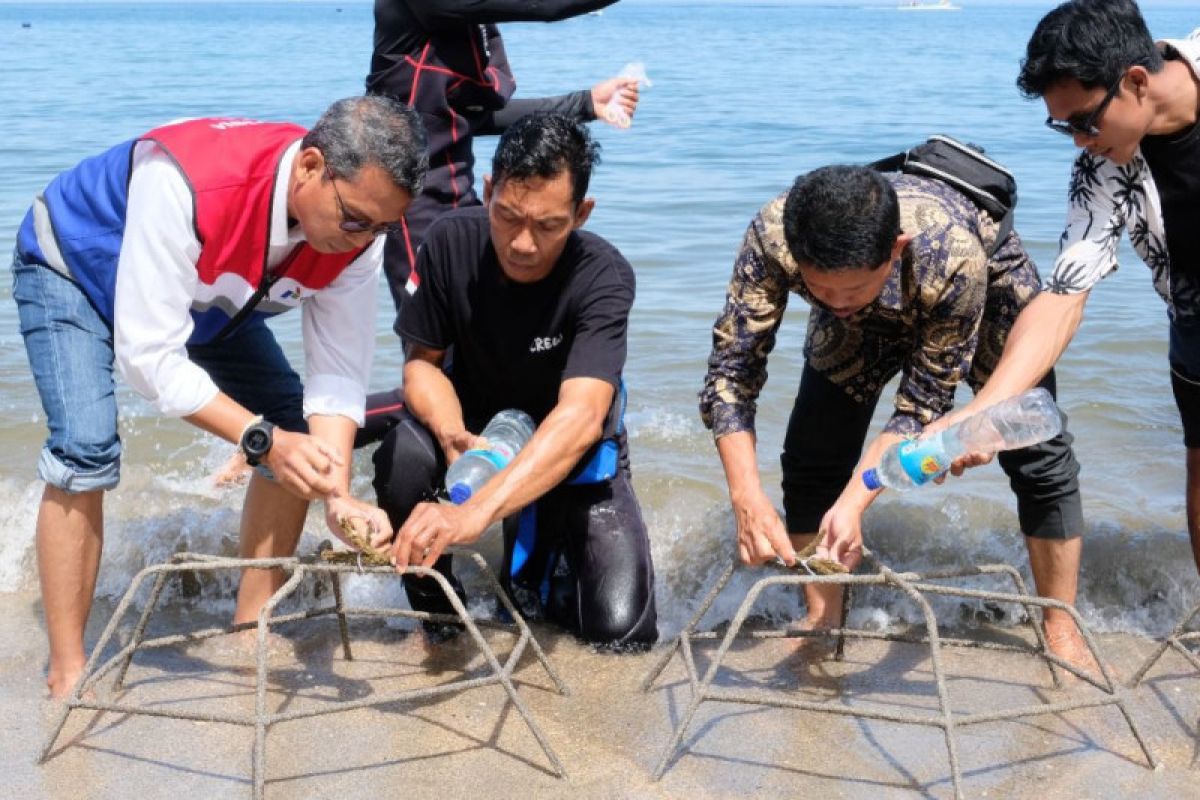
(1174, 161)
(515, 343)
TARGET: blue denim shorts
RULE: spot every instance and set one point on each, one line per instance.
(70, 349)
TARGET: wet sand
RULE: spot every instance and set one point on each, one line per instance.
(608, 733)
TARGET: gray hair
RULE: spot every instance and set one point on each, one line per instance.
(359, 131)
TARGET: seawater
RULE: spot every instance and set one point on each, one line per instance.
(745, 97)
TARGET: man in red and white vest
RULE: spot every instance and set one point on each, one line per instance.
(164, 256)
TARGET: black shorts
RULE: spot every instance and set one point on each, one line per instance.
(825, 438)
(1184, 356)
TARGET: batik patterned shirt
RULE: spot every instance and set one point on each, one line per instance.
(942, 317)
(1104, 199)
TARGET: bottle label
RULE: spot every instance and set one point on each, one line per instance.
(499, 456)
(923, 459)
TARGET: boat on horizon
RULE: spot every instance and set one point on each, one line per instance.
(928, 5)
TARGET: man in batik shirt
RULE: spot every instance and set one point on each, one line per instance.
(897, 273)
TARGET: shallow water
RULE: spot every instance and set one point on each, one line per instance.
(743, 99)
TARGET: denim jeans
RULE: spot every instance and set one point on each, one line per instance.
(70, 349)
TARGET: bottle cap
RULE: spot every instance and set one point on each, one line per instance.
(460, 493)
(871, 479)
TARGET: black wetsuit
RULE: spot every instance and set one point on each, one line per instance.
(514, 345)
(445, 58)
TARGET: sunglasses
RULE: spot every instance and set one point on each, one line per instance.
(1087, 125)
(353, 224)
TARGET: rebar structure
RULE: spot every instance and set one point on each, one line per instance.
(298, 569)
(915, 586)
(1176, 641)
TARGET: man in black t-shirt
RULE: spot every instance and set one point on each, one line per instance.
(537, 313)
(447, 60)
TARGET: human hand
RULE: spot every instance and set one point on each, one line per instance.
(303, 464)
(455, 443)
(761, 534)
(625, 90)
(430, 529)
(963, 462)
(358, 524)
(840, 537)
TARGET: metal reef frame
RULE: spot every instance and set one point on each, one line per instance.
(299, 569)
(1175, 640)
(913, 585)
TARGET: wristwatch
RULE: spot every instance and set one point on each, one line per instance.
(256, 441)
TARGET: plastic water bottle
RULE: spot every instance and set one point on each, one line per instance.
(1020, 421)
(613, 113)
(506, 434)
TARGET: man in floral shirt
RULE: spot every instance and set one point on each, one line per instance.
(902, 278)
(1133, 105)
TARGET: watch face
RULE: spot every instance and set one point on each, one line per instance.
(257, 441)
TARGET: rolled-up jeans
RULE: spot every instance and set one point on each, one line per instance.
(70, 350)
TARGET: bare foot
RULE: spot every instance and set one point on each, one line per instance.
(1067, 643)
(60, 682)
(815, 648)
(241, 647)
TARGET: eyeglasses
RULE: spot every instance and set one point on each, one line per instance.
(1087, 125)
(352, 224)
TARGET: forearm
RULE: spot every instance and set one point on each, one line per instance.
(761, 533)
(562, 439)
(222, 416)
(856, 495)
(740, 461)
(1038, 338)
(576, 105)
(430, 397)
(338, 432)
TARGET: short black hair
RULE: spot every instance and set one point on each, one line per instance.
(543, 145)
(841, 217)
(1092, 41)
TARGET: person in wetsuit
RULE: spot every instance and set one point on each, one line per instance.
(445, 58)
(537, 312)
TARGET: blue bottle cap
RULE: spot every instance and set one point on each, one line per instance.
(871, 479)
(460, 493)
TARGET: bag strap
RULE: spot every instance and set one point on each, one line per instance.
(1002, 232)
(905, 162)
(891, 163)
(269, 279)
